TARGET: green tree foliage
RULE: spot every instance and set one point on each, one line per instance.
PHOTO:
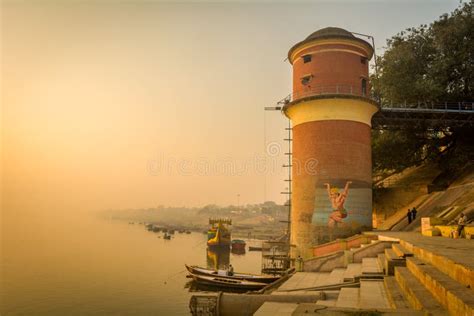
(429, 63)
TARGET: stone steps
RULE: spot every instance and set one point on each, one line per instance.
(401, 251)
(370, 295)
(416, 294)
(458, 271)
(381, 261)
(456, 298)
(394, 294)
(392, 260)
(352, 271)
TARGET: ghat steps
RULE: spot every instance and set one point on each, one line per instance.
(415, 276)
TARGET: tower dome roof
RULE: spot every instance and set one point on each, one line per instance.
(330, 32)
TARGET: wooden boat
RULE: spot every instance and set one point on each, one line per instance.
(195, 270)
(228, 283)
(219, 235)
(167, 236)
(238, 244)
(253, 248)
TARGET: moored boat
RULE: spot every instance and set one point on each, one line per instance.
(195, 270)
(228, 283)
(219, 235)
(238, 244)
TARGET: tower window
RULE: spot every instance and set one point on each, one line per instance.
(364, 87)
(306, 58)
(363, 60)
(306, 79)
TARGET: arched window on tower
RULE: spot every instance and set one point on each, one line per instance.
(364, 87)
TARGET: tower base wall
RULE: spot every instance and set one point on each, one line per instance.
(332, 182)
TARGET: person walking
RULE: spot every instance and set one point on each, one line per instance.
(409, 216)
(413, 214)
(461, 223)
(299, 261)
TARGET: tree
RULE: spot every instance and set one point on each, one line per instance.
(428, 63)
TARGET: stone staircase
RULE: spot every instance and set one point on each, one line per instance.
(343, 258)
(398, 280)
(420, 285)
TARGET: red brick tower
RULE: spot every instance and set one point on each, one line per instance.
(331, 113)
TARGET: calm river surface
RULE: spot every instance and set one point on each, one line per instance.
(102, 267)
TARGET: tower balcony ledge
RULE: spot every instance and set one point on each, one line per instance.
(328, 92)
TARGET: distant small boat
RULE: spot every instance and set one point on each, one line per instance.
(238, 244)
(195, 270)
(228, 283)
(188, 232)
(252, 248)
(166, 236)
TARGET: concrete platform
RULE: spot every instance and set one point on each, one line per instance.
(306, 309)
(301, 280)
(373, 295)
(276, 309)
(371, 266)
(336, 276)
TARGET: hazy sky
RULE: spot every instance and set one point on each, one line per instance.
(134, 104)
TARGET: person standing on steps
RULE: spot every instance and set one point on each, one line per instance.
(413, 213)
(230, 271)
(409, 216)
(461, 223)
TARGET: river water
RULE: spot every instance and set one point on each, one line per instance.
(104, 267)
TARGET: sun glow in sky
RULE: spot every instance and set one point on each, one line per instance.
(135, 104)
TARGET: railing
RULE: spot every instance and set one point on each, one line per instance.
(430, 106)
(325, 90)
